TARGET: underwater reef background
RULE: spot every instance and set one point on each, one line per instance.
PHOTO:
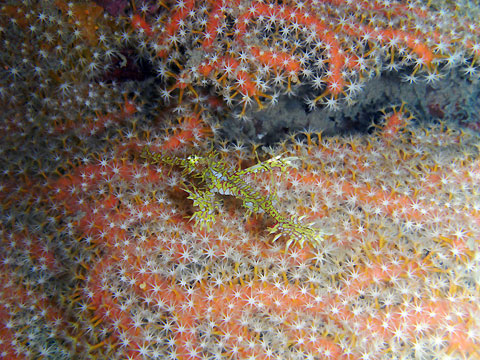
(239, 179)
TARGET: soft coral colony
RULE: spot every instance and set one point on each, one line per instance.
(131, 231)
(104, 260)
(251, 51)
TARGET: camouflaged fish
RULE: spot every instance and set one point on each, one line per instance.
(218, 177)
